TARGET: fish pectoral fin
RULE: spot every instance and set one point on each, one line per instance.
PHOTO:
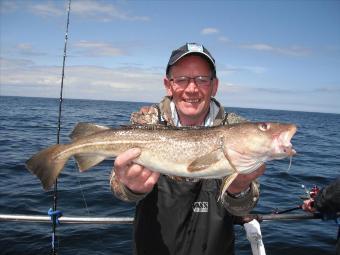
(86, 161)
(226, 183)
(205, 161)
(83, 129)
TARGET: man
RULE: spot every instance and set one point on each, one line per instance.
(327, 201)
(181, 215)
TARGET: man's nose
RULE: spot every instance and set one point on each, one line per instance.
(192, 86)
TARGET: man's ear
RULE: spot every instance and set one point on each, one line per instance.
(214, 87)
(167, 86)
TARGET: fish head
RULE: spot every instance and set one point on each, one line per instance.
(251, 144)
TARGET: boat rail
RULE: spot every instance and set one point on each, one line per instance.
(130, 220)
(68, 220)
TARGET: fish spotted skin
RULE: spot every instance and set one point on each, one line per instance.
(198, 152)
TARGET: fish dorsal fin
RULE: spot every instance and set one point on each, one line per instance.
(206, 161)
(83, 129)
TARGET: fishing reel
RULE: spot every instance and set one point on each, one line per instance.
(314, 191)
(310, 195)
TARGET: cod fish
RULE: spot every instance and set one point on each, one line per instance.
(198, 152)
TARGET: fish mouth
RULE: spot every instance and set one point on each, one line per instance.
(286, 148)
(289, 151)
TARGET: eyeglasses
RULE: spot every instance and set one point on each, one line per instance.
(200, 81)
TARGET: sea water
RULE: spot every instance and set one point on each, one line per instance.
(30, 124)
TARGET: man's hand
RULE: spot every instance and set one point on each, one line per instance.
(135, 177)
(243, 181)
(308, 205)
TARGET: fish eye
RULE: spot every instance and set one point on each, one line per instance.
(264, 126)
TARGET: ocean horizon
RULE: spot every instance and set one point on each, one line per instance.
(149, 103)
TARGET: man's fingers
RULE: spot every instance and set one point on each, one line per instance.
(261, 170)
(308, 206)
(144, 109)
(126, 158)
(135, 171)
(145, 174)
(252, 176)
(134, 176)
(144, 182)
(152, 180)
(243, 181)
(258, 172)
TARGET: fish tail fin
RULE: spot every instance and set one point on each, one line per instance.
(47, 164)
(86, 161)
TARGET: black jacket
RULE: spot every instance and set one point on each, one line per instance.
(183, 218)
(328, 199)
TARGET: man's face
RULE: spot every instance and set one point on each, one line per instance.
(192, 102)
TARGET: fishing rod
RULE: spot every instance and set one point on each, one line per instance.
(309, 194)
(290, 216)
(288, 210)
(55, 214)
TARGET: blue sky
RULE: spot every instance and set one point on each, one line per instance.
(269, 54)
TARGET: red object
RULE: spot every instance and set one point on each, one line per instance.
(314, 191)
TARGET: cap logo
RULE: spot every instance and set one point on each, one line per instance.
(195, 47)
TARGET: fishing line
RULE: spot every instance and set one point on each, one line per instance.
(83, 195)
(290, 163)
(55, 194)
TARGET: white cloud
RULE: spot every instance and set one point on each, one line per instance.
(98, 49)
(103, 10)
(209, 31)
(238, 69)
(98, 10)
(8, 6)
(224, 39)
(12, 64)
(241, 95)
(27, 49)
(47, 9)
(293, 50)
(21, 77)
(94, 82)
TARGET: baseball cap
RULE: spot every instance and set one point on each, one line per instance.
(191, 48)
